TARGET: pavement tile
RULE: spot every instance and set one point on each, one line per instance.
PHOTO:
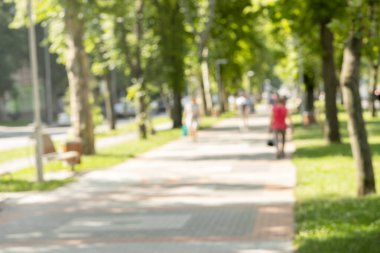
(225, 193)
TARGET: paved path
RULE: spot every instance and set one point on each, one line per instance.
(224, 194)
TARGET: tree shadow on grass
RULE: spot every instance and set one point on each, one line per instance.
(344, 149)
(315, 151)
(310, 132)
(338, 225)
(372, 128)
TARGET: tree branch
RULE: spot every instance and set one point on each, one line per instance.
(206, 32)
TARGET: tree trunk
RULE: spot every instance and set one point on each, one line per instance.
(372, 85)
(138, 73)
(225, 98)
(204, 99)
(374, 62)
(134, 63)
(331, 83)
(203, 58)
(177, 62)
(78, 75)
(177, 108)
(309, 117)
(361, 151)
(2, 107)
(172, 47)
(109, 102)
(206, 81)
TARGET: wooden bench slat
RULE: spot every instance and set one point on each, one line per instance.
(61, 156)
(50, 153)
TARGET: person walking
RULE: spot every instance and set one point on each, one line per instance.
(191, 118)
(279, 124)
(242, 103)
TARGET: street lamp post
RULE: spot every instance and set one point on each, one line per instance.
(219, 62)
(36, 97)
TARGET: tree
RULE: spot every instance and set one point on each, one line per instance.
(310, 85)
(137, 72)
(101, 45)
(66, 37)
(78, 75)
(200, 28)
(304, 18)
(110, 100)
(236, 36)
(331, 82)
(13, 52)
(172, 51)
(349, 79)
(131, 40)
(373, 52)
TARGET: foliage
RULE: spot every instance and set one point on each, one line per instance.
(13, 48)
(235, 36)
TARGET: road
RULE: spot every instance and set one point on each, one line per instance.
(16, 137)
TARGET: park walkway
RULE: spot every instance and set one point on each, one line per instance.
(223, 194)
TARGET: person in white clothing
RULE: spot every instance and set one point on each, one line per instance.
(243, 104)
(191, 118)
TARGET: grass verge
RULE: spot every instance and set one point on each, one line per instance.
(15, 123)
(15, 153)
(329, 216)
(132, 127)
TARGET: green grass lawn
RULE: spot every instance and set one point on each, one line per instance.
(329, 216)
(132, 127)
(15, 153)
(14, 123)
(23, 180)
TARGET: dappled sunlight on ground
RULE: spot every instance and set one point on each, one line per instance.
(224, 193)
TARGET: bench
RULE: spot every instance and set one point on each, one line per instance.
(71, 155)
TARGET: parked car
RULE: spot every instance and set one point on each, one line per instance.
(158, 107)
(124, 109)
(63, 119)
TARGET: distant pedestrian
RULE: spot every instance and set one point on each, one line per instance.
(191, 118)
(273, 97)
(278, 125)
(243, 104)
(252, 101)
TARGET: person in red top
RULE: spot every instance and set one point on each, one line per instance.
(278, 124)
